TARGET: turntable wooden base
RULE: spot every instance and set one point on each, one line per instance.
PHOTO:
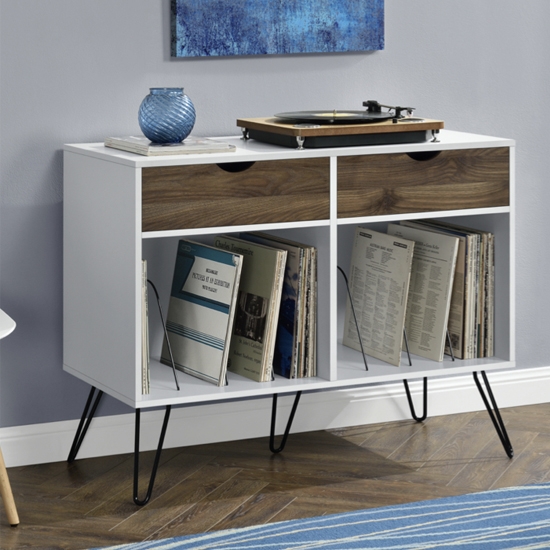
(404, 130)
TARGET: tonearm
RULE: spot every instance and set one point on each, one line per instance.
(375, 107)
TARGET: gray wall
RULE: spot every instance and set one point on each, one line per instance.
(76, 71)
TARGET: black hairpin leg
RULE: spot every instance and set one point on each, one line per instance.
(84, 424)
(157, 457)
(425, 401)
(289, 423)
(494, 413)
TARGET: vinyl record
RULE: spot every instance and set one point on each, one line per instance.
(335, 117)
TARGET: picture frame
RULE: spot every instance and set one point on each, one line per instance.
(214, 28)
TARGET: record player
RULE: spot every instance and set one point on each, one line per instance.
(313, 129)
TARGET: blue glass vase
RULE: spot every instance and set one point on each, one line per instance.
(166, 115)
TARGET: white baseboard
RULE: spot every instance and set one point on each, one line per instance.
(50, 442)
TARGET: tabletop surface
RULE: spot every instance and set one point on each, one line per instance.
(7, 324)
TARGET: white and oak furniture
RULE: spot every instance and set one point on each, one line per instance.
(121, 207)
(7, 326)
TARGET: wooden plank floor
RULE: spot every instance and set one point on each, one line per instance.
(219, 486)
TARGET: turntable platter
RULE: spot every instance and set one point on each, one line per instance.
(335, 117)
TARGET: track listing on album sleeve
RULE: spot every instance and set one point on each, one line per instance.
(379, 282)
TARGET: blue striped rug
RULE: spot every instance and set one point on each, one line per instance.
(517, 518)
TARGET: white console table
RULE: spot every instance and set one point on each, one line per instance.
(121, 207)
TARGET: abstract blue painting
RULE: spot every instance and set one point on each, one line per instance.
(259, 27)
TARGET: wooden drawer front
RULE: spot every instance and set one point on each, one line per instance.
(180, 197)
(396, 184)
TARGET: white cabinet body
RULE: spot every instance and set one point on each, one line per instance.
(120, 208)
